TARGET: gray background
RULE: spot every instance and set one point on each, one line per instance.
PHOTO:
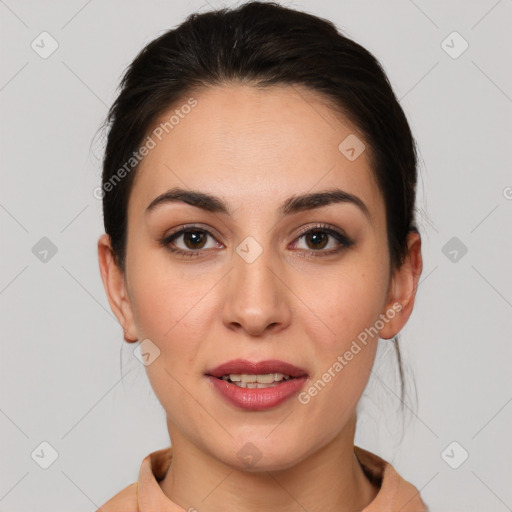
(60, 378)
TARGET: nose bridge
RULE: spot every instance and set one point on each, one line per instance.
(256, 298)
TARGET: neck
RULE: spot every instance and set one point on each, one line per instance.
(329, 479)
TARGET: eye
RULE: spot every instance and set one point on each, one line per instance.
(320, 237)
(190, 241)
(194, 239)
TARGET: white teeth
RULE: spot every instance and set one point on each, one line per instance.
(253, 385)
(269, 378)
(246, 380)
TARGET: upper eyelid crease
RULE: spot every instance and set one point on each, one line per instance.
(291, 205)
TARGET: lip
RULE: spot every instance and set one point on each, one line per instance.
(238, 366)
(257, 399)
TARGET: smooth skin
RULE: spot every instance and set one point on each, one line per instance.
(253, 149)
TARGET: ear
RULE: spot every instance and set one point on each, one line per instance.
(402, 289)
(115, 286)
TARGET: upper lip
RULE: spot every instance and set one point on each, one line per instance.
(239, 366)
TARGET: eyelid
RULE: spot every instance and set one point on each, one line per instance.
(320, 226)
(192, 227)
(341, 237)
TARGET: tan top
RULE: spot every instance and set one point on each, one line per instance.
(395, 494)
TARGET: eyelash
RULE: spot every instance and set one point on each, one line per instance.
(343, 239)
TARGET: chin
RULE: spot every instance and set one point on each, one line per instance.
(265, 453)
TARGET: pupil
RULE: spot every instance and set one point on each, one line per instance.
(314, 235)
(195, 236)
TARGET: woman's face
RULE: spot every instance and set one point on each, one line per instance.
(252, 284)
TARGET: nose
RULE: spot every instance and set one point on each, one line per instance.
(256, 298)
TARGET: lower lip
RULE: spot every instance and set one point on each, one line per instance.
(257, 399)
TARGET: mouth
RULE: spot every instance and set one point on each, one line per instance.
(257, 386)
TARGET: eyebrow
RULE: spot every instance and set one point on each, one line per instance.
(293, 204)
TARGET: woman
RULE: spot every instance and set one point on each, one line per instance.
(258, 194)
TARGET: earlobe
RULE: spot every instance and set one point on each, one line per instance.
(115, 288)
(402, 289)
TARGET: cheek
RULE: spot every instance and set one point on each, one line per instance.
(342, 304)
(339, 326)
(167, 300)
(172, 312)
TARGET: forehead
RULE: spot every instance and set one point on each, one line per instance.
(253, 145)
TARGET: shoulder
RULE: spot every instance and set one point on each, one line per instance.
(123, 501)
(395, 492)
